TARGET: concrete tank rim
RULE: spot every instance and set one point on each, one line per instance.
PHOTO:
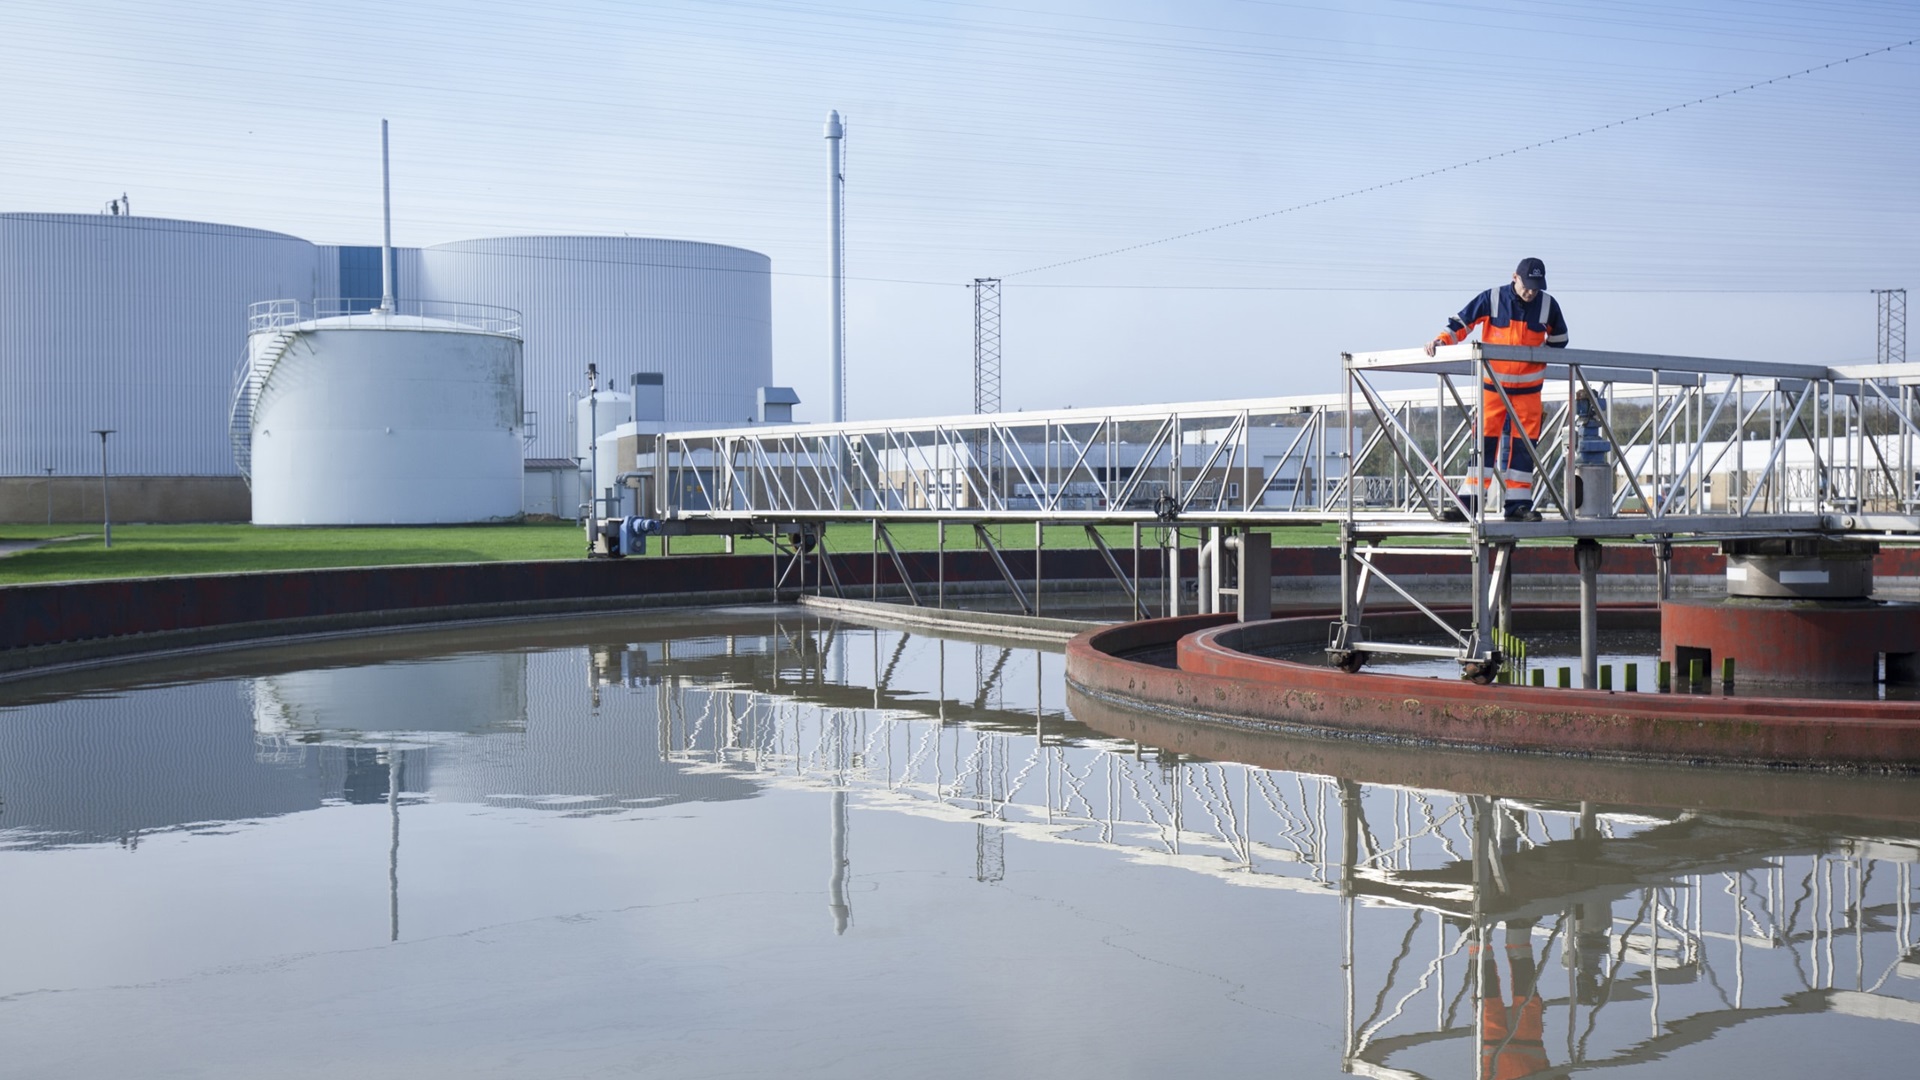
(1211, 685)
(1209, 639)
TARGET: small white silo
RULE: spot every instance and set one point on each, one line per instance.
(384, 417)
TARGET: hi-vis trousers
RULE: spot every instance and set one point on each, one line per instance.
(1508, 464)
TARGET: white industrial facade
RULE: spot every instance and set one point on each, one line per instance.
(139, 325)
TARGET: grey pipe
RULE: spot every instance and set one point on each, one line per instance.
(1586, 553)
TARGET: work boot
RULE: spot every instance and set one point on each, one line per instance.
(1521, 511)
(1450, 512)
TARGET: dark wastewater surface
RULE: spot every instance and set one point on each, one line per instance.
(757, 843)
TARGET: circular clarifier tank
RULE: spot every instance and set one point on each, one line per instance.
(384, 418)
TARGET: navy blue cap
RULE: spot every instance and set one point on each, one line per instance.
(1533, 273)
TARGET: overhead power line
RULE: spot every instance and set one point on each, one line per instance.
(1470, 162)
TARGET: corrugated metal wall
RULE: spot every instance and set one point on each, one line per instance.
(700, 314)
(130, 323)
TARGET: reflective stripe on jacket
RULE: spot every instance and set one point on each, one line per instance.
(1504, 319)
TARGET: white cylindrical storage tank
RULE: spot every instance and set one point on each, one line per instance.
(135, 324)
(699, 315)
(595, 414)
(387, 419)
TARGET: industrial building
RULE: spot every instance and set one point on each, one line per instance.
(138, 326)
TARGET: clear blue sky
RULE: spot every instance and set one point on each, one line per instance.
(991, 139)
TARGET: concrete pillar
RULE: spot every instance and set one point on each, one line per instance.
(1506, 588)
(1254, 577)
(1586, 553)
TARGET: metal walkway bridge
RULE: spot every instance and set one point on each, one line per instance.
(1635, 448)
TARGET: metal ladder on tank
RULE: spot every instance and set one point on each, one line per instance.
(247, 383)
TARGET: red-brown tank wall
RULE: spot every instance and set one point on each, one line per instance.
(1781, 643)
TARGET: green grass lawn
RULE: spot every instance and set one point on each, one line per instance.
(153, 550)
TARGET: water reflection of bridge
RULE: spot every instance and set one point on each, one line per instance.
(1668, 925)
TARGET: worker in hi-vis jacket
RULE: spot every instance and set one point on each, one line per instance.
(1517, 314)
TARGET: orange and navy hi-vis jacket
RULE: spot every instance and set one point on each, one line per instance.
(1504, 319)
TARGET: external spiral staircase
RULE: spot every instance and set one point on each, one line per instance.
(248, 382)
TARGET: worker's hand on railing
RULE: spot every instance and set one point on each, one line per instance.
(1431, 345)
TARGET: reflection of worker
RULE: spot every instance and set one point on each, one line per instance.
(1518, 314)
(1512, 1036)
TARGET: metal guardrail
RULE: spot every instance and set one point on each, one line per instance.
(1695, 445)
(1258, 458)
(269, 315)
(1824, 449)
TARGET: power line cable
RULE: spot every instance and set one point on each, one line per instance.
(1468, 163)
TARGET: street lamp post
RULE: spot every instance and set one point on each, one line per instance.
(106, 509)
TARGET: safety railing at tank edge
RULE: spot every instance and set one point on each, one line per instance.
(267, 315)
(1693, 421)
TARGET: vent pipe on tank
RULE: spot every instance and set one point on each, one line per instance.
(386, 240)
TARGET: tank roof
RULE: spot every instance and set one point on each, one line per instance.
(132, 223)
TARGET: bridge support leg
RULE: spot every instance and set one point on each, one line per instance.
(940, 560)
(899, 567)
(798, 559)
(1204, 595)
(1253, 578)
(1172, 554)
(1138, 614)
(1013, 583)
(824, 573)
(1211, 570)
(1480, 660)
(1099, 544)
(1506, 588)
(1353, 597)
(1039, 542)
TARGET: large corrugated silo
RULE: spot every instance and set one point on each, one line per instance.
(134, 324)
(699, 315)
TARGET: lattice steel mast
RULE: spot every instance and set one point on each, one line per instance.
(986, 345)
(1890, 337)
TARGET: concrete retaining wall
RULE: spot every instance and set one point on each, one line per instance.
(72, 622)
(171, 499)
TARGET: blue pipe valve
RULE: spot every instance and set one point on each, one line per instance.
(1593, 445)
